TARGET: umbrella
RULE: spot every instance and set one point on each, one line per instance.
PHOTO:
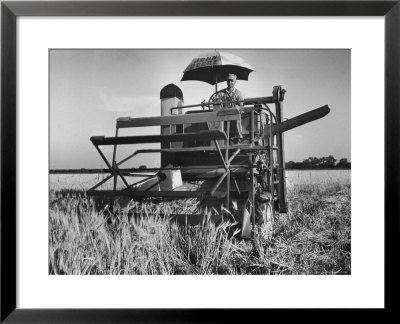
(214, 67)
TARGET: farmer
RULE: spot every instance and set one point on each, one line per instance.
(227, 96)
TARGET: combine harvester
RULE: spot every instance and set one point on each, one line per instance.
(198, 158)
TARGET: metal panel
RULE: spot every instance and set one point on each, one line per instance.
(231, 114)
(124, 140)
(161, 194)
(242, 147)
(298, 120)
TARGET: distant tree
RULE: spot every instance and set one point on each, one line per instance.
(343, 164)
(331, 161)
(307, 163)
(327, 162)
(311, 163)
(323, 163)
(299, 165)
(142, 167)
(290, 165)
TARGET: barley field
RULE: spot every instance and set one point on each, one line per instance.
(91, 236)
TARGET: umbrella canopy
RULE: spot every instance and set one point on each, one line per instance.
(214, 67)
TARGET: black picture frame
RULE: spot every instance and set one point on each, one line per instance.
(10, 10)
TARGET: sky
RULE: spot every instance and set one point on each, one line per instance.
(90, 89)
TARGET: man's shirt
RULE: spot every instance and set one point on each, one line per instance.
(230, 95)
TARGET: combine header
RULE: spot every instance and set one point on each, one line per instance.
(199, 159)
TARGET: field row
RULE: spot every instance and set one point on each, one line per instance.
(293, 177)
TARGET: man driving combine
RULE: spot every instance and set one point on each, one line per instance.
(228, 96)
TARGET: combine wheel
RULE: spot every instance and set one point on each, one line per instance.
(264, 215)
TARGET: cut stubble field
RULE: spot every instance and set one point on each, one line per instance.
(137, 237)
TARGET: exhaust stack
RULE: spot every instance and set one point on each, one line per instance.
(170, 96)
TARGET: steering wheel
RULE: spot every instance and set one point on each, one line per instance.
(214, 95)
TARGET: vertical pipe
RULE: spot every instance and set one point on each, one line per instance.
(228, 179)
(252, 193)
(281, 161)
(271, 166)
(252, 127)
(170, 131)
(253, 207)
(114, 163)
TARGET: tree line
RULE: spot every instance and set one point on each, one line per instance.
(328, 162)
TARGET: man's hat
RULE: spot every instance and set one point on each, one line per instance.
(231, 77)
